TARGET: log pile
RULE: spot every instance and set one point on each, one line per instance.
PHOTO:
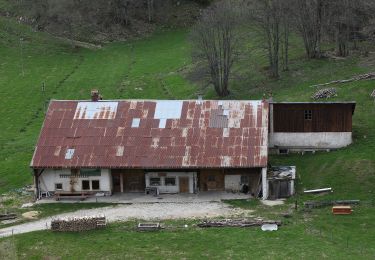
(324, 93)
(367, 76)
(77, 224)
(327, 203)
(237, 223)
(7, 216)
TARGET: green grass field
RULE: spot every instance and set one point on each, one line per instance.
(155, 68)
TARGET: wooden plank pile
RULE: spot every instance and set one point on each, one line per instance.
(7, 216)
(327, 203)
(148, 226)
(324, 93)
(77, 224)
(237, 223)
(366, 76)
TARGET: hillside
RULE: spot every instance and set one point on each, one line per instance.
(160, 67)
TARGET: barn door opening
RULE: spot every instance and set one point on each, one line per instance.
(116, 181)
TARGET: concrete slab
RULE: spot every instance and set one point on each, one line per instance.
(126, 198)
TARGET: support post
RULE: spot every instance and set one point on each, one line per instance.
(271, 127)
(36, 183)
(264, 184)
(122, 182)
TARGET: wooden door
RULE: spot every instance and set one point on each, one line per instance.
(116, 180)
(184, 184)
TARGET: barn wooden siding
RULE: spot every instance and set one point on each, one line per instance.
(330, 117)
(214, 179)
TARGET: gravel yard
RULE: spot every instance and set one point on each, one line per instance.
(144, 211)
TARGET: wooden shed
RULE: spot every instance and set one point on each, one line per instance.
(299, 126)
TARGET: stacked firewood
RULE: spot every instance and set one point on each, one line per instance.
(7, 216)
(324, 93)
(77, 224)
(237, 223)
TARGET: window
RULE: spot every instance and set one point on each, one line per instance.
(58, 186)
(211, 178)
(85, 185)
(308, 114)
(154, 181)
(95, 185)
(170, 181)
(244, 179)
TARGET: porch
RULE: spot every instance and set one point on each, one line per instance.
(124, 198)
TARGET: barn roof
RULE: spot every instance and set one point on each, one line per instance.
(153, 134)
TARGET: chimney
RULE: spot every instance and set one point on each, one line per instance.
(95, 96)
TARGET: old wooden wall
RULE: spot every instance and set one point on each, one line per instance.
(330, 117)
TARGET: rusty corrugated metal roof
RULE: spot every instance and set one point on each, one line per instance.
(169, 134)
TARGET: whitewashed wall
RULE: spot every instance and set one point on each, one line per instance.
(172, 189)
(320, 140)
(49, 177)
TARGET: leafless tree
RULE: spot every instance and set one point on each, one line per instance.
(272, 17)
(309, 15)
(120, 11)
(215, 40)
(345, 19)
(286, 22)
(150, 10)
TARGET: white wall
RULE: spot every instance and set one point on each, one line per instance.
(172, 189)
(320, 140)
(49, 177)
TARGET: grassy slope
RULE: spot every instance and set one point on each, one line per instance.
(143, 69)
(148, 69)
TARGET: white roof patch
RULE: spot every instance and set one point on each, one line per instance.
(96, 110)
(168, 109)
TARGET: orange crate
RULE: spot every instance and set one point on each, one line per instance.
(342, 210)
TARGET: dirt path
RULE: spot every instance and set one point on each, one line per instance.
(143, 211)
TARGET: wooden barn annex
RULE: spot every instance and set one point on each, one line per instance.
(177, 146)
(306, 126)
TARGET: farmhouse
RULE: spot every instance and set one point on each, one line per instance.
(176, 146)
(179, 146)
